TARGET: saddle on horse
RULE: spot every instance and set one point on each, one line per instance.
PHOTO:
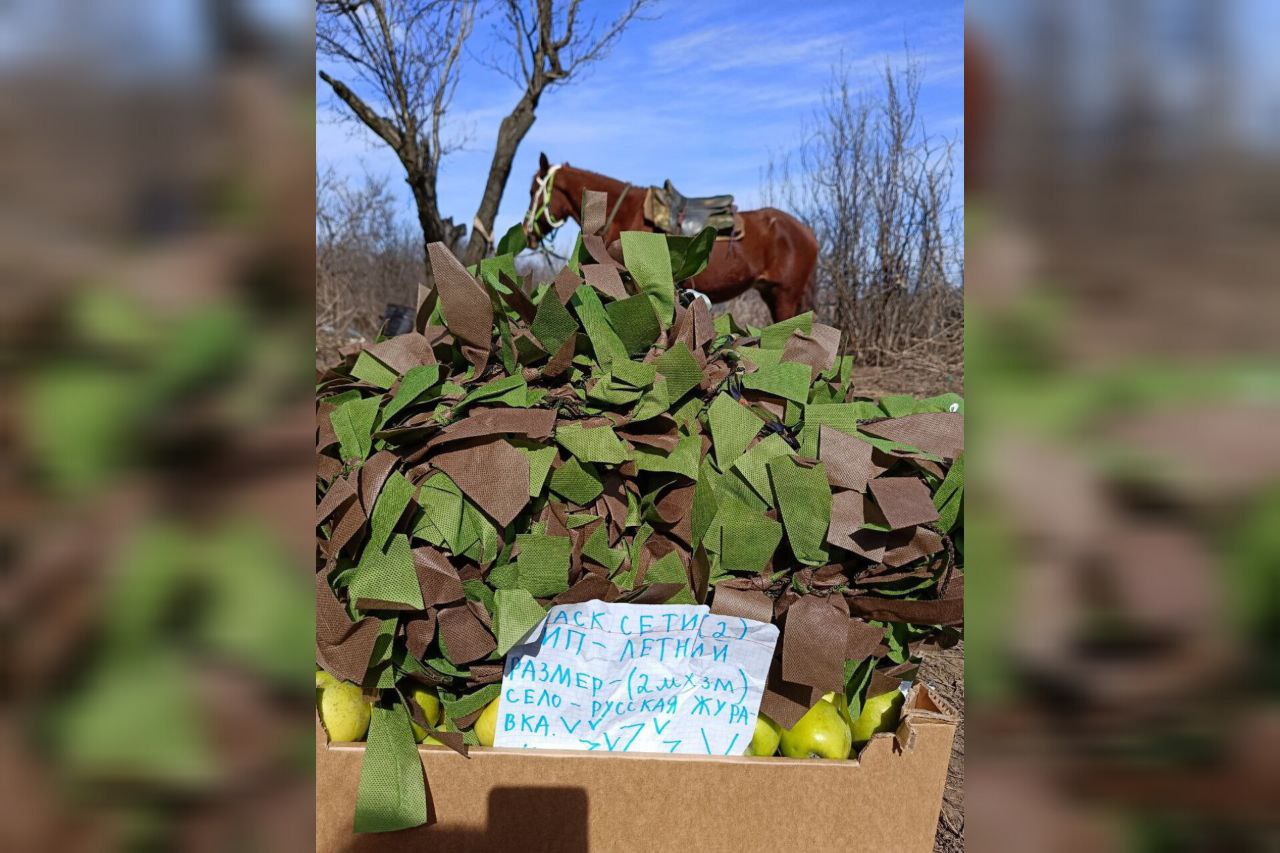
(674, 213)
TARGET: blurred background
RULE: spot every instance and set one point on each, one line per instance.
(1123, 296)
(158, 247)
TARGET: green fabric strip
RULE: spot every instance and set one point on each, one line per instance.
(369, 369)
(412, 386)
(540, 460)
(733, 426)
(752, 464)
(950, 495)
(786, 379)
(748, 538)
(388, 575)
(456, 708)
(515, 612)
(576, 483)
(592, 444)
(804, 501)
(597, 548)
(605, 342)
(775, 336)
(543, 564)
(353, 424)
(392, 792)
(553, 324)
(682, 460)
(390, 505)
(682, 372)
(647, 259)
(634, 321)
(670, 569)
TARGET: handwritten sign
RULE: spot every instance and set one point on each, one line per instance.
(636, 678)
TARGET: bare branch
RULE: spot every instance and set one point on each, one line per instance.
(379, 125)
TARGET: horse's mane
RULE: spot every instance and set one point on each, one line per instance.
(590, 174)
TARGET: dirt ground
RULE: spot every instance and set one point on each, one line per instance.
(944, 670)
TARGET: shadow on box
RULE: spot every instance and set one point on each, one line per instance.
(523, 818)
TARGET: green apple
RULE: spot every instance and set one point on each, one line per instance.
(430, 705)
(487, 724)
(344, 712)
(324, 679)
(765, 740)
(879, 714)
(821, 733)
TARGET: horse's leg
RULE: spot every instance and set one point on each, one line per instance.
(784, 301)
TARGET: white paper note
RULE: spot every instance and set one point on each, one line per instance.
(636, 678)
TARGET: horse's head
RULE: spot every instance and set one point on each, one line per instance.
(548, 208)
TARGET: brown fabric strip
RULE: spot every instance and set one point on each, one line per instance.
(327, 468)
(473, 468)
(816, 634)
(590, 588)
(675, 503)
(565, 283)
(325, 436)
(846, 518)
(465, 637)
(704, 326)
(343, 647)
(743, 603)
(882, 682)
(529, 423)
(863, 640)
(606, 280)
(373, 476)
(467, 310)
(594, 204)
(654, 593)
(480, 613)
(904, 501)
(402, 353)
(419, 633)
(816, 349)
(946, 611)
(847, 459)
(348, 524)
(437, 578)
(563, 357)
(485, 673)
(910, 544)
(939, 433)
(596, 249)
(784, 701)
(339, 493)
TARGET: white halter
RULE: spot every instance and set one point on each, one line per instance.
(542, 203)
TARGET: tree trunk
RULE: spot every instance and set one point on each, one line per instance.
(510, 133)
(424, 198)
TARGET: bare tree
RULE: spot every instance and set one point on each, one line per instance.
(875, 186)
(366, 258)
(407, 54)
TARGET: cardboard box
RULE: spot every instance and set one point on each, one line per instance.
(533, 800)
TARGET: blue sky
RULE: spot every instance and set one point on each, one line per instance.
(703, 94)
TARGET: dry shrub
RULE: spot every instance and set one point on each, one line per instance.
(366, 258)
(875, 186)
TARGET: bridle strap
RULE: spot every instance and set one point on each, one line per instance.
(541, 204)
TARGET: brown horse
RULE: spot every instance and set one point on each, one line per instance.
(776, 253)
